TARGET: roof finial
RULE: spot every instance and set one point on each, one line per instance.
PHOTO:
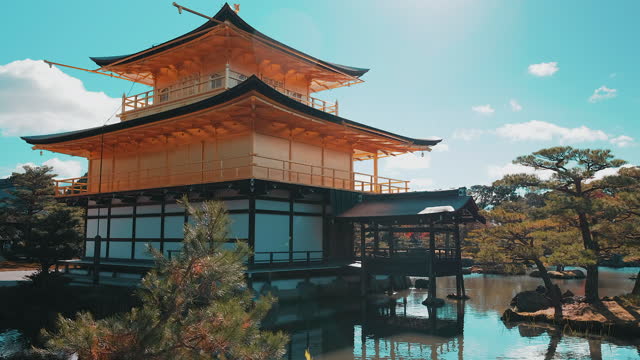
(236, 8)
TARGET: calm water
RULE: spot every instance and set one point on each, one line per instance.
(473, 330)
(478, 333)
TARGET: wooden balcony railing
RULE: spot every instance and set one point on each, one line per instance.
(245, 167)
(73, 186)
(440, 253)
(208, 85)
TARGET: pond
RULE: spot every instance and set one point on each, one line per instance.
(341, 329)
(473, 331)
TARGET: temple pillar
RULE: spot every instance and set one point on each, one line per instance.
(97, 250)
(363, 270)
(376, 188)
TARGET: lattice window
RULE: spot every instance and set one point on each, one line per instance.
(164, 95)
(216, 81)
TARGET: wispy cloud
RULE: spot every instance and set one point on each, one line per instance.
(483, 109)
(545, 131)
(496, 172)
(467, 134)
(603, 93)
(622, 141)
(515, 106)
(544, 69)
(421, 184)
(408, 161)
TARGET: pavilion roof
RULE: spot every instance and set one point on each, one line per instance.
(226, 14)
(415, 205)
(252, 84)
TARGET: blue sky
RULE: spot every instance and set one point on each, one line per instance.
(495, 79)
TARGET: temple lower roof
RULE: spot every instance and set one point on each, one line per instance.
(252, 84)
(413, 205)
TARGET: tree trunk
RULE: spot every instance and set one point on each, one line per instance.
(554, 340)
(636, 287)
(590, 243)
(553, 291)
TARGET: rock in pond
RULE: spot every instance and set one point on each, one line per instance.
(577, 274)
(421, 284)
(568, 274)
(530, 301)
(434, 302)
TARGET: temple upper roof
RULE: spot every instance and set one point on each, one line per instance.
(135, 62)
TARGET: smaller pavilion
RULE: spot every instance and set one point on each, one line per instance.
(436, 214)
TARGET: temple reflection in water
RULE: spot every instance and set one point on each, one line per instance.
(380, 328)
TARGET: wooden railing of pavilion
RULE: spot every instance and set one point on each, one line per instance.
(440, 253)
(209, 85)
(246, 167)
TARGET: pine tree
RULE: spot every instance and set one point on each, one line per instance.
(515, 235)
(621, 230)
(56, 234)
(195, 306)
(575, 194)
(488, 196)
(32, 192)
(40, 228)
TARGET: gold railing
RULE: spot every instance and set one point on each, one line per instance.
(245, 167)
(212, 84)
(73, 186)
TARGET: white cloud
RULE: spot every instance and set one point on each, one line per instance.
(608, 172)
(35, 99)
(64, 169)
(467, 134)
(6, 172)
(515, 106)
(407, 162)
(421, 184)
(603, 93)
(496, 172)
(441, 148)
(545, 131)
(483, 109)
(622, 141)
(544, 69)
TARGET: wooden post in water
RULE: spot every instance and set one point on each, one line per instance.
(431, 267)
(432, 301)
(460, 291)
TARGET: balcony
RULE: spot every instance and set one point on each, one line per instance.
(194, 90)
(246, 167)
